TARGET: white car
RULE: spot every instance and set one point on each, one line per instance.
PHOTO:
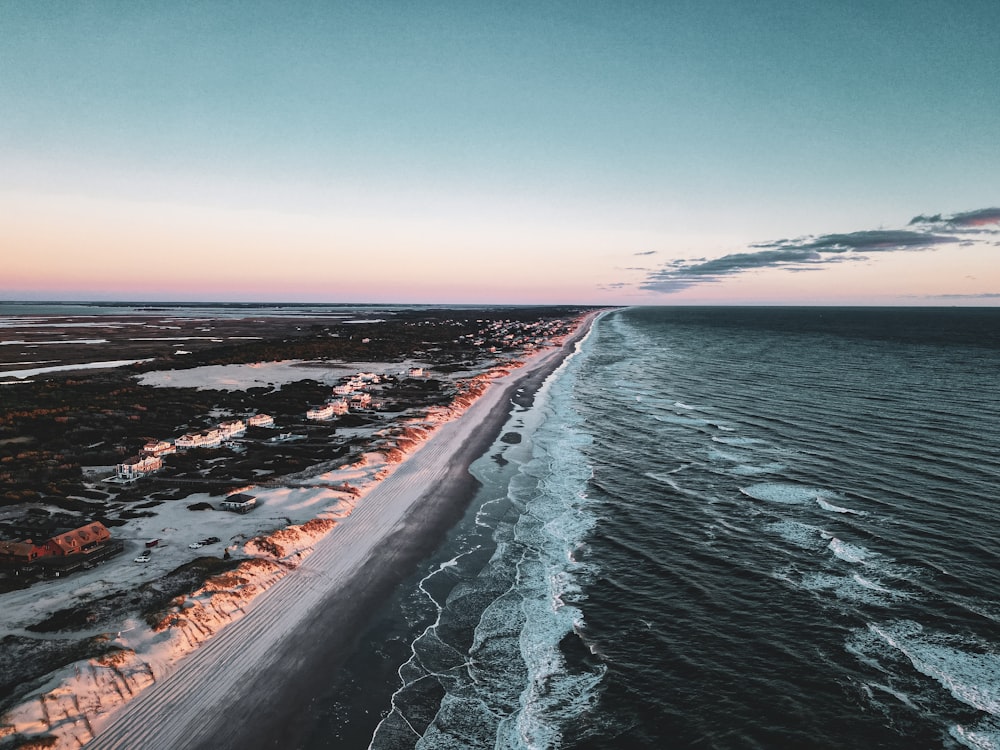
(144, 557)
(196, 545)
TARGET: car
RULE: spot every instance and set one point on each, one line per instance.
(143, 558)
(196, 545)
(210, 540)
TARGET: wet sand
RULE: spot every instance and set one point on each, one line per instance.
(251, 684)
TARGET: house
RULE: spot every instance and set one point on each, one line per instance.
(91, 539)
(320, 412)
(261, 420)
(206, 439)
(158, 448)
(239, 503)
(21, 552)
(360, 400)
(344, 389)
(137, 466)
(188, 440)
(81, 540)
(340, 406)
(232, 428)
(212, 438)
(416, 372)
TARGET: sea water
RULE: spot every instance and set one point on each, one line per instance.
(718, 528)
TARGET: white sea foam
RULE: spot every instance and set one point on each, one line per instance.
(848, 588)
(714, 454)
(666, 479)
(981, 735)
(736, 440)
(897, 694)
(847, 552)
(515, 688)
(869, 584)
(800, 534)
(838, 509)
(746, 470)
(548, 578)
(779, 492)
(967, 670)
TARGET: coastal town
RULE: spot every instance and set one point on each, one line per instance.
(258, 474)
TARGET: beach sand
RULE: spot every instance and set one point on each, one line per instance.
(249, 685)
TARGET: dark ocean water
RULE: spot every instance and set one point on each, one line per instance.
(715, 528)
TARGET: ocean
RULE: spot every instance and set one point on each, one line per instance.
(714, 528)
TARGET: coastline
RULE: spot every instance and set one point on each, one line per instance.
(240, 686)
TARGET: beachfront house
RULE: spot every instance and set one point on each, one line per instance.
(340, 406)
(239, 503)
(320, 413)
(344, 389)
(158, 448)
(137, 466)
(187, 440)
(360, 400)
(415, 372)
(80, 540)
(21, 552)
(232, 428)
(205, 439)
(261, 420)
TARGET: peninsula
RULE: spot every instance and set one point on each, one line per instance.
(326, 542)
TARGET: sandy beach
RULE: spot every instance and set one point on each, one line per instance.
(242, 686)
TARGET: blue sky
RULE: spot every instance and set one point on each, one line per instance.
(566, 135)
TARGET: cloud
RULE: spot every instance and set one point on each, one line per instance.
(982, 295)
(982, 217)
(875, 241)
(812, 253)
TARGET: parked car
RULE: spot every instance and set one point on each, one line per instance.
(210, 540)
(196, 545)
(143, 558)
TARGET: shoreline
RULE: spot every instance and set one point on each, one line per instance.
(240, 685)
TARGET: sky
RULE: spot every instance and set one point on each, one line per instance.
(669, 152)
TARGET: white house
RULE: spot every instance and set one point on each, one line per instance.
(340, 406)
(320, 412)
(206, 439)
(137, 466)
(232, 428)
(158, 448)
(261, 420)
(188, 440)
(213, 438)
(416, 372)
